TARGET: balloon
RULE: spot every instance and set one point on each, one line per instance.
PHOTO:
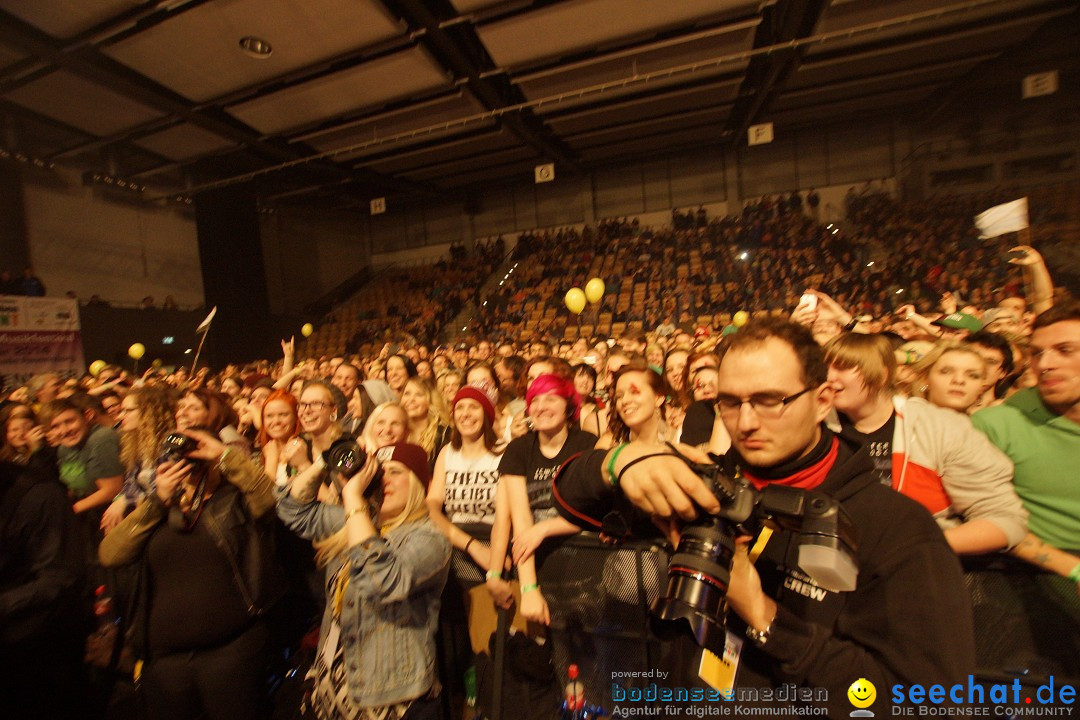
(306, 329)
(575, 300)
(740, 318)
(136, 351)
(594, 290)
(157, 363)
(96, 367)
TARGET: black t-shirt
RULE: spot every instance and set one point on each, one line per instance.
(878, 443)
(194, 600)
(523, 457)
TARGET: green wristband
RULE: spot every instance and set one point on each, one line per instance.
(529, 588)
(1074, 574)
(494, 574)
(611, 465)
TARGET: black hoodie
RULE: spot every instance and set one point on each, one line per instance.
(908, 621)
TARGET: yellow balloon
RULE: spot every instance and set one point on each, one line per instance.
(96, 367)
(740, 318)
(136, 351)
(575, 300)
(594, 290)
(306, 329)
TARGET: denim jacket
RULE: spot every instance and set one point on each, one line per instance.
(391, 610)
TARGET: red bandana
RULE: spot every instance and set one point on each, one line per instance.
(806, 479)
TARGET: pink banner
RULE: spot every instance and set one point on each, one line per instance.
(39, 335)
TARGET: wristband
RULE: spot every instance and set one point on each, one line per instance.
(611, 465)
(471, 541)
(355, 511)
(1074, 574)
(529, 588)
(494, 574)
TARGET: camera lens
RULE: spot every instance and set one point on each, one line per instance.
(698, 578)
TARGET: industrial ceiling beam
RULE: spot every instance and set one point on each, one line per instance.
(91, 65)
(458, 49)
(783, 22)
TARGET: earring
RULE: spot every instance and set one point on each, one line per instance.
(923, 388)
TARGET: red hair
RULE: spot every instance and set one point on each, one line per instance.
(557, 385)
(289, 399)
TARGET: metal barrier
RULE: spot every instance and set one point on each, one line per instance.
(1027, 622)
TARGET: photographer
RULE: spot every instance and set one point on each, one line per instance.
(208, 580)
(385, 572)
(908, 620)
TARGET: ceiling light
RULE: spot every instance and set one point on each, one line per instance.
(256, 47)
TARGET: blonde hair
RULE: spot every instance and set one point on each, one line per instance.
(437, 415)
(871, 355)
(415, 510)
(368, 431)
(921, 369)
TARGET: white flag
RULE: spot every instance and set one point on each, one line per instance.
(205, 324)
(1001, 219)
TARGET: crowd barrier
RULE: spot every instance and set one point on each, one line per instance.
(1027, 622)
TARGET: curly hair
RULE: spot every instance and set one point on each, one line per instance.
(157, 418)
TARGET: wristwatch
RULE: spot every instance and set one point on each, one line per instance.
(758, 637)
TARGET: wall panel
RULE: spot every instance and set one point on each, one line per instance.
(698, 178)
(619, 191)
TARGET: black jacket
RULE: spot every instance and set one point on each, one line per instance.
(42, 568)
(239, 519)
(909, 619)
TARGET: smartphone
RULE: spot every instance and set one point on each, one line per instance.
(1016, 254)
(809, 300)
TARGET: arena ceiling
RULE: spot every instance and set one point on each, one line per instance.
(429, 98)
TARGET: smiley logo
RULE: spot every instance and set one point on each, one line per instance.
(862, 693)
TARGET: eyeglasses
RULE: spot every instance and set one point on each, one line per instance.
(313, 405)
(766, 405)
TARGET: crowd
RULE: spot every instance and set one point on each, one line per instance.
(699, 271)
(406, 491)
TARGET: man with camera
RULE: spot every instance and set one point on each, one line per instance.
(908, 618)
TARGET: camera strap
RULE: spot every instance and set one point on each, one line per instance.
(194, 507)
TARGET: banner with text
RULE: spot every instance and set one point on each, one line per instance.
(39, 335)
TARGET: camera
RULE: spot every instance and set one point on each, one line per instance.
(346, 457)
(176, 446)
(700, 569)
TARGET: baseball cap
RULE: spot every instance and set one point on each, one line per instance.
(995, 314)
(960, 321)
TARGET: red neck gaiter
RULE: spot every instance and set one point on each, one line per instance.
(807, 478)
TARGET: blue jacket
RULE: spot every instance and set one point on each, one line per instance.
(391, 609)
